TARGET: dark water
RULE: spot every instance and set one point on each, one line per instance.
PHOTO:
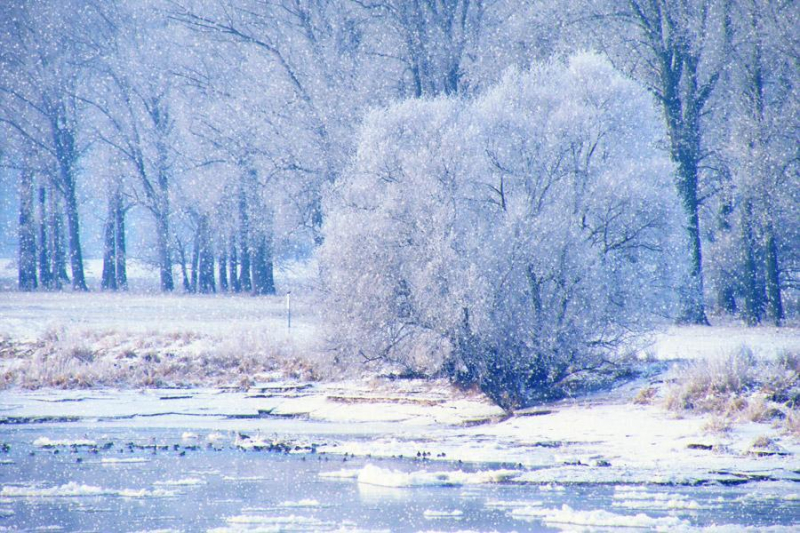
(247, 490)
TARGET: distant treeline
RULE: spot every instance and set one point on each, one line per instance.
(240, 126)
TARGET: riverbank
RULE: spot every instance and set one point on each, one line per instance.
(230, 365)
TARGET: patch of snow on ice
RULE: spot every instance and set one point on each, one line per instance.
(73, 489)
(244, 478)
(215, 437)
(373, 475)
(301, 503)
(111, 461)
(503, 504)
(180, 482)
(68, 490)
(633, 498)
(44, 442)
(596, 518)
(284, 523)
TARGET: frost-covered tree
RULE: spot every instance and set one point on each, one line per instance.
(50, 44)
(764, 151)
(132, 102)
(676, 50)
(511, 241)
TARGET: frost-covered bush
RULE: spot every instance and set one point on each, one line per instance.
(510, 241)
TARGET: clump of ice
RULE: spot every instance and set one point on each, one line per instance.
(634, 498)
(111, 461)
(432, 515)
(215, 437)
(595, 518)
(301, 503)
(188, 436)
(44, 442)
(72, 489)
(382, 477)
(180, 482)
(68, 490)
(245, 478)
(504, 504)
(144, 493)
(281, 523)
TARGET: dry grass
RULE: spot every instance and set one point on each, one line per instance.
(80, 359)
(645, 396)
(739, 387)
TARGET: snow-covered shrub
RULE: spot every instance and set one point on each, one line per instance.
(510, 241)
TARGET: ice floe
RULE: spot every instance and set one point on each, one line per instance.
(300, 503)
(112, 461)
(597, 518)
(44, 442)
(382, 477)
(180, 482)
(73, 489)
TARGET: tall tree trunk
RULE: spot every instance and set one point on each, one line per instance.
(114, 263)
(121, 266)
(223, 268)
(27, 234)
(726, 291)
(66, 156)
(263, 277)
(774, 301)
(58, 256)
(73, 229)
(187, 287)
(234, 264)
(164, 256)
(195, 262)
(206, 259)
(45, 274)
(244, 240)
(753, 291)
(682, 109)
(108, 281)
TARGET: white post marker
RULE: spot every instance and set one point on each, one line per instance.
(289, 310)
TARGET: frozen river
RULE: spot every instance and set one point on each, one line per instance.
(72, 477)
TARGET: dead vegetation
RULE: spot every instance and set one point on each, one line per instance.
(68, 359)
(740, 388)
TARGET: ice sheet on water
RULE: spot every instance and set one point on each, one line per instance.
(636, 498)
(180, 482)
(504, 504)
(73, 489)
(595, 518)
(44, 442)
(301, 503)
(113, 461)
(382, 477)
(244, 478)
(269, 523)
